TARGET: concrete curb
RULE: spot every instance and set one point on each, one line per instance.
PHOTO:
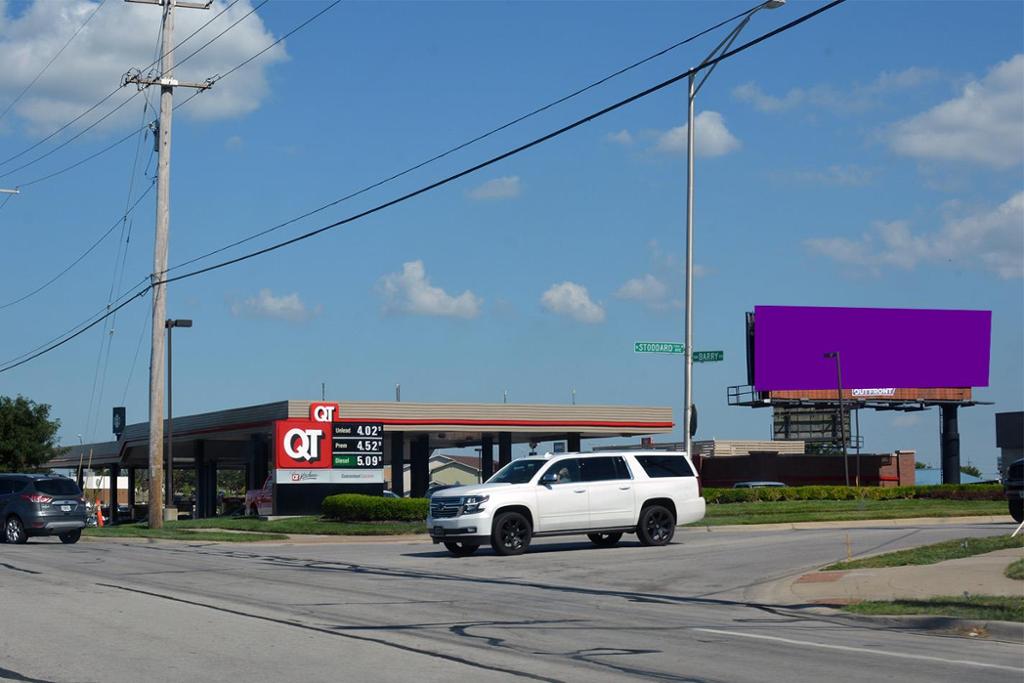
(857, 523)
(1003, 631)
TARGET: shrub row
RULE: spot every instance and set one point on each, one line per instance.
(354, 507)
(945, 491)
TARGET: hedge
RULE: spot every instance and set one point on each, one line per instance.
(945, 491)
(355, 507)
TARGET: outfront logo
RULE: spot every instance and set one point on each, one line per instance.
(302, 444)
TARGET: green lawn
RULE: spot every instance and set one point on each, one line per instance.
(136, 531)
(787, 511)
(303, 525)
(992, 607)
(936, 552)
(1015, 570)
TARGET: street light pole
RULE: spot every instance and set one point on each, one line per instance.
(722, 48)
(842, 421)
(168, 514)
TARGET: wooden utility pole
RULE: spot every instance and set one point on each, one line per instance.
(163, 219)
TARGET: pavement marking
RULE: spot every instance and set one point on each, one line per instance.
(863, 650)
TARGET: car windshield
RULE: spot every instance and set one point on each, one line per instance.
(57, 487)
(517, 472)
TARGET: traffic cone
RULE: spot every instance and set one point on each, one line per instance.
(99, 513)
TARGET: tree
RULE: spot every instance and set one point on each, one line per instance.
(920, 465)
(27, 434)
(971, 470)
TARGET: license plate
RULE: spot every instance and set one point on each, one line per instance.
(438, 531)
(65, 508)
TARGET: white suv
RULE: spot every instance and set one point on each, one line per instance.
(602, 495)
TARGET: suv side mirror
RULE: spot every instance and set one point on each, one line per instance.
(549, 478)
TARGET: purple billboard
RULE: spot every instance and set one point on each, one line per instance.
(878, 347)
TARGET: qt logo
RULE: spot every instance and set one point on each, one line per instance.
(303, 444)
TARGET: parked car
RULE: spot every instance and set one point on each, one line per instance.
(260, 502)
(601, 495)
(1014, 488)
(758, 485)
(390, 494)
(40, 505)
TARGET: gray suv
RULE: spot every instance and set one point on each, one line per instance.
(40, 505)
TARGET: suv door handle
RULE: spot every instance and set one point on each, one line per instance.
(624, 488)
(579, 490)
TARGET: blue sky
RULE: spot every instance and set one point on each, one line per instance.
(870, 157)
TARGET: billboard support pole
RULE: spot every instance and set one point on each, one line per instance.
(842, 425)
(950, 445)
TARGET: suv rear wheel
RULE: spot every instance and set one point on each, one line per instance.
(461, 548)
(1017, 509)
(605, 540)
(657, 525)
(14, 530)
(511, 534)
(71, 536)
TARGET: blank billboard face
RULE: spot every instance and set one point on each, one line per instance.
(878, 347)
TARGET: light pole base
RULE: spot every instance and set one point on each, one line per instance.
(170, 514)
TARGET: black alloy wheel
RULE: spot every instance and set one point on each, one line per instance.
(605, 539)
(14, 531)
(511, 534)
(657, 526)
(71, 536)
(461, 548)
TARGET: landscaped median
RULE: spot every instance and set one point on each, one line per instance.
(784, 505)
(987, 607)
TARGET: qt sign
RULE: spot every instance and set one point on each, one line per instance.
(305, 444)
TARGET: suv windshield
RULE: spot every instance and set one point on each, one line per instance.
(57, 487)
(518, 472)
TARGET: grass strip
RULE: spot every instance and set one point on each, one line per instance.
(988, 607)
(1015, 570)
(136, 531)
(789, 511)
(936, 552)
(303, 525)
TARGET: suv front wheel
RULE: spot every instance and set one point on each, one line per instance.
(657, 525)
(511, 534)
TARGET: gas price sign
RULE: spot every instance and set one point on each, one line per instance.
(357, 445)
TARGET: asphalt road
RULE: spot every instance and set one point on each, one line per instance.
(697, 610)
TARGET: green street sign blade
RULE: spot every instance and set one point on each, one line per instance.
(708, 356)
(658, 347)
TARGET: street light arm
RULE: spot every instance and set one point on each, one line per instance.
(721, 48)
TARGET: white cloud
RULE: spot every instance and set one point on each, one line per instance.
(852, 99)
(572, 300)
(266, 305)
(991, 239)
(711, 137)
(506, 187)
(647, 289)
(411, 292)
(122, 36)
(623, 137)
(984, 125)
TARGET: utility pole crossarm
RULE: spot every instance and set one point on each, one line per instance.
(186, 5)
(168, 82)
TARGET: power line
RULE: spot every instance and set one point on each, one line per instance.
(513, 152)
(188, 99)
(52, 60)
(82, 256)
(493, 160)
(113, 92)
(466, 144)
(212, 40)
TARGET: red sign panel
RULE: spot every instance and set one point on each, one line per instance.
(302, 444)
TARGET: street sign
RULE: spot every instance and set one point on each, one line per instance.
(357, 445)
(708, 356)
(658, 347)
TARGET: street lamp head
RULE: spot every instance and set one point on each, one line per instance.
(774, 4)
(177, 323)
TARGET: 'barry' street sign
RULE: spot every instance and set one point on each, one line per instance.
(708, 356)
